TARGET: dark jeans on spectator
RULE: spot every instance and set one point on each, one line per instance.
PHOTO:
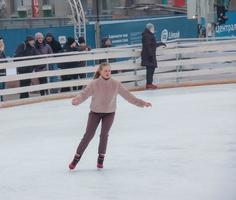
(43, 80)
(67, 78)
(71, 77)
(54, 78)
(24, 83)
(149, 74)
(2, 86)
(81, 76)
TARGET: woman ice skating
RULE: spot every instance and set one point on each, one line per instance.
(104, 91)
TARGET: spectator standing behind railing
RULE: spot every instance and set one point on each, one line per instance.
(25, 49)
(54, 44)
(2, 56)
(70, 46)
(42, 48)
(106, 43)
(56, 48)
(148, 54)
(82, 47)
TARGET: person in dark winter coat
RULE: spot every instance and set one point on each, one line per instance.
(56, 48)
(82, 44)
(26, 48)
(42, 48)
(148, 54)
(70, 46)
(106, 43)
(55, 45)
(2, 55)
(2, 48)
(82, 47)
(2, 71)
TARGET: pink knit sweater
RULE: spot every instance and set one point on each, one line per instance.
(104, 93)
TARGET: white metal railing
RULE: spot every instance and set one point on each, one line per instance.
(181, 61)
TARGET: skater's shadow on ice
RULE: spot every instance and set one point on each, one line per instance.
(88, 171)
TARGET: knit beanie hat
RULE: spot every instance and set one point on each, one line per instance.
(49, 35)
(29, 38)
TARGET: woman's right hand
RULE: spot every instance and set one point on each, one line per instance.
(147, 104)
(75, 102)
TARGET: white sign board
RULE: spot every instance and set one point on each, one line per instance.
(62, 39)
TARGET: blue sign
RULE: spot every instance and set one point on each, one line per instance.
(229, 28)
(124, 32)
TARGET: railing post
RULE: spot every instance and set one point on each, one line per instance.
(178, 67)
(135, 70)
(2, 86)
(48, 79)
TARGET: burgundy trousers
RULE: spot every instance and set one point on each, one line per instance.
(92, 124)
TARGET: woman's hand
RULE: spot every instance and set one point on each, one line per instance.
(147, 104)
(75, 102)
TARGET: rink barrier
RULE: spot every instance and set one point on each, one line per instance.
(181, 63)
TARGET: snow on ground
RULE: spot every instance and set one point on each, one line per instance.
(183, 148)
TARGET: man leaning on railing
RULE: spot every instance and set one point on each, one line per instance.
(56, 48)
(42, 48)
(72, 46)
(26, 49)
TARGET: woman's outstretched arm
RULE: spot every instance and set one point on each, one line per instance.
(83, 95)
(127, 95)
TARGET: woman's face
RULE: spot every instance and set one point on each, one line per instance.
(106, 72)
(49, 39)
(31, 42)
(152, 30)
(1, 42)
(108, 43)
(40, 39)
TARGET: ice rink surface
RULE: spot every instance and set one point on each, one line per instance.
(183, 148)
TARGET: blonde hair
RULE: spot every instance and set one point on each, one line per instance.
(100, 68)
(2, 46)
